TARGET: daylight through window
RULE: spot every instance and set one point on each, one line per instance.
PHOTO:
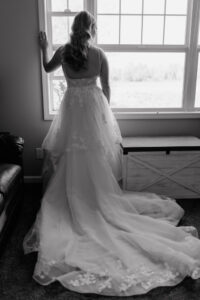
(152, 47)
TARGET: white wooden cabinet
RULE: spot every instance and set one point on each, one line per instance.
(164, 165)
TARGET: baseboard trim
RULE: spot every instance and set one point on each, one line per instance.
(32, 179)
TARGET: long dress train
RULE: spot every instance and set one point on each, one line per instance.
(90, 235)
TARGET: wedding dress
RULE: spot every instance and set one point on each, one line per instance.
(90, 235)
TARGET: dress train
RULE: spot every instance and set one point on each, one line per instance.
(90, 235)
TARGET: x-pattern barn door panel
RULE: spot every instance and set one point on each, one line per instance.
(171, 173)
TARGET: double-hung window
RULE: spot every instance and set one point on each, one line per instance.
(152, 47)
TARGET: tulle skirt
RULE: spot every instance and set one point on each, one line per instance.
(90, 235)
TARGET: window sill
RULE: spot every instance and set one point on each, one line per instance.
(145, 115)
(156, 115)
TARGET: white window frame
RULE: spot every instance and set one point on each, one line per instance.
(191, 50)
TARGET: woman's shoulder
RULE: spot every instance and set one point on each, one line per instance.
(98, 51)
(96, 48)
(63, 48)
(63, 51)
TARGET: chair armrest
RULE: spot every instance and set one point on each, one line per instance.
(11, 148)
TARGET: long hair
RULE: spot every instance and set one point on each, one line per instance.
(75, 53)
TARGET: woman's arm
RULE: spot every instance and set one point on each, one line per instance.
(55, 62)
(104, 76)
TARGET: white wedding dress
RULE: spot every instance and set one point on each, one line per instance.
(90, 235)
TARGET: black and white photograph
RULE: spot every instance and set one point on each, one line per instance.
(99, 149)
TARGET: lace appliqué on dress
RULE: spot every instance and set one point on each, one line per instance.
(143, 276)
(196, 273)
(78, 143)
(87, 278)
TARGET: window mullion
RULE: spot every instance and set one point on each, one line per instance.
(142, 22)
(143, 48)
(191, 58)
(187, 61)
(164, 22)
(85, 5)
(119, 21)
(44, 15)
(49, 27)
(91, 6)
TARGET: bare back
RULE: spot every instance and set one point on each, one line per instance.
(93, 66)
(97, 66)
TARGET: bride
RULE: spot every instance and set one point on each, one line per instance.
(90, 235)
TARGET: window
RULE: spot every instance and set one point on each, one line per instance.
(197, 98)
(152, 46)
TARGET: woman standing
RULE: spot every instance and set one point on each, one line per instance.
(90, 235)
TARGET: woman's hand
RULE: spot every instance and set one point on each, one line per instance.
(55, 62)
(43, 40)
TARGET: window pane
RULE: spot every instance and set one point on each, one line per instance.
(176, 7)
(146, 80)
(58, 5)
(131, 7)
(153, 29)
(131, 30)
(154, 6)
(197, 101)
(108, 29)
(108, 6)
(76, 5)
(61, 5)
(59, 87)
(61, 27)
(58, 72)
(175, 30)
